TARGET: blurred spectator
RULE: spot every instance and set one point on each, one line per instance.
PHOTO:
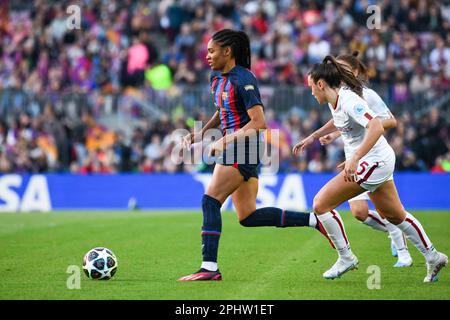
(135, 48)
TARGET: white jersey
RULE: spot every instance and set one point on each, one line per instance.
(351, 114)
(376, 103)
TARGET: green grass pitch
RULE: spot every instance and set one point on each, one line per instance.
(154, 248)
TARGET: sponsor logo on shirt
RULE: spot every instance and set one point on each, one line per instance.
(249, 87)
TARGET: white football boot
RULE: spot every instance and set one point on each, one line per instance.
(433, 268)
(341, 266)
(404, 259)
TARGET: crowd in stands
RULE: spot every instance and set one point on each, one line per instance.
(161, 44)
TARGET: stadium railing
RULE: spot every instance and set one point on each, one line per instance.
(187, 99)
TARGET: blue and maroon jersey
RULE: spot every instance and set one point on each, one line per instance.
(233, 94)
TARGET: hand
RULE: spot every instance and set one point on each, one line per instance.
(302, 144)
(326, 139)
(189, 139)
(217, 147)
(350, 167)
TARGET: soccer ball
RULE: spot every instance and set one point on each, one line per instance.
(100, 263)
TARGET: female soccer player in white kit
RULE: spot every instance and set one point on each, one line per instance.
(369, 166)
(359, 204)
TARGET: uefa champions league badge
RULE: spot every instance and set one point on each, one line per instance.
(359, 110)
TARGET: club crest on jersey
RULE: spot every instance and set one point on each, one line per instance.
(224, 95)
(359, 109)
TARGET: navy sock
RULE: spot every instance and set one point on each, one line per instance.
(275, 217)
(212, 228)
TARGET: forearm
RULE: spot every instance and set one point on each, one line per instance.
(336, 134)
(374, 132)
(250, 129)
(212, 123)
(389, 123)
(325, 129)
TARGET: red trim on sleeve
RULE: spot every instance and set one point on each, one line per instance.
(368, 116)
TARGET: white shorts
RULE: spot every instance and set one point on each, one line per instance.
(362, 196)
(372, 173)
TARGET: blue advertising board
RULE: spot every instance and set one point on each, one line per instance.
(184, 191)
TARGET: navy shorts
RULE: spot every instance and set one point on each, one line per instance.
(246, 159)
(247, 170)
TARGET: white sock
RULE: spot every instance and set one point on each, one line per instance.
(403, 254)
(312, 220)
(209, 265)
(396, 235)
(375, 221)
(334, 226)
(414, 231)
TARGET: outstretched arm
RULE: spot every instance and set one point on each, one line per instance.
(325, 129)
(212, 123)
(389, 123)
(328, 138)
(197, 136)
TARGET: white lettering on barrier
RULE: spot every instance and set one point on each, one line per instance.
(291, 195)
(36, 196)
(8, 195)
(266, 197)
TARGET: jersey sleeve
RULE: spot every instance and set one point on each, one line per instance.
(359, 110)
(249, 92)
(377, 104)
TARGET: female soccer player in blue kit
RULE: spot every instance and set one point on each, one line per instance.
(240, 113)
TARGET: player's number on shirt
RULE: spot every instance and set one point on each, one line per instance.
(363, 165)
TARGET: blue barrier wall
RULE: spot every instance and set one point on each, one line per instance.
(183, 191)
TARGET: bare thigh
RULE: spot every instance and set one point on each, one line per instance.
(336, 191)
(387, 202)
(244, 198)
(225, 181)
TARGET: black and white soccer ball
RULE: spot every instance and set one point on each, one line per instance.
(100, 264)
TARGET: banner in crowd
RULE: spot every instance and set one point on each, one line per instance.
(184, 191)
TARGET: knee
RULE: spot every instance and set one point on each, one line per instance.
(319, 206)
(394, 220)
(360, 214)
(393, 216)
